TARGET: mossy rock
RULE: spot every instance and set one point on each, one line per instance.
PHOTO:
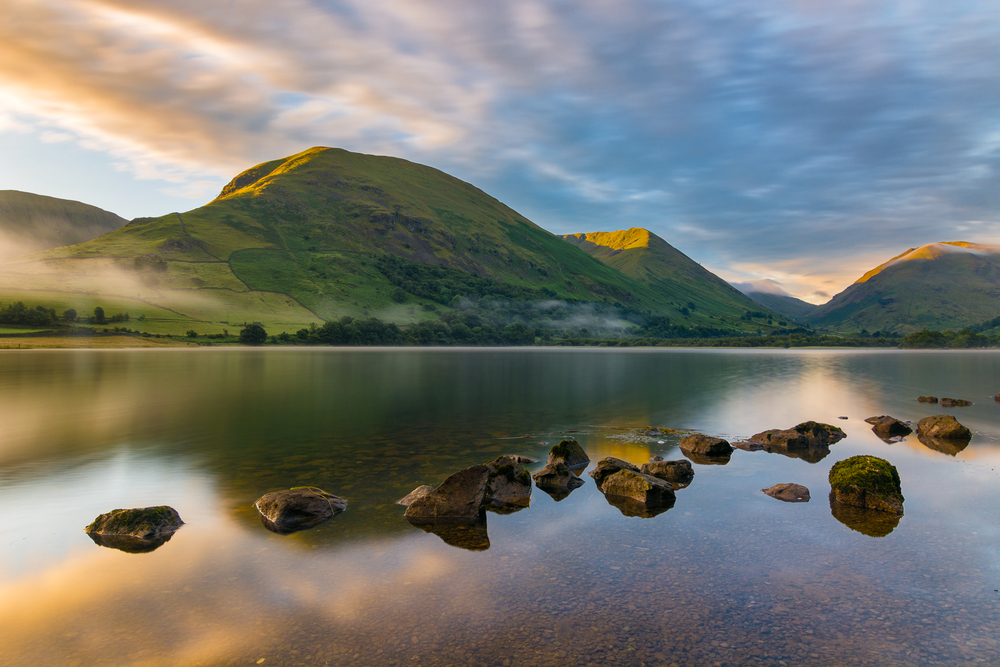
(568, 452)
(144, 523)
(867, 481)
(508, 487)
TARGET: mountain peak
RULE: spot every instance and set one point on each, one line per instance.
(627, 239)
(933, 251)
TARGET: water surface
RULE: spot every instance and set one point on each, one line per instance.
(728, 575)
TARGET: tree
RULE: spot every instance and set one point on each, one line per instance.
(99, 315)
(69, 315)
(253, 334)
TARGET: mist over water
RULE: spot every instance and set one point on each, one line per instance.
(727, 575)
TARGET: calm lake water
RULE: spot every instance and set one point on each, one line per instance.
(727, 576)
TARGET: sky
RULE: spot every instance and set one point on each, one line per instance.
(796, 142)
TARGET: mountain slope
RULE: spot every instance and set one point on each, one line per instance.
(327, 233)
(788, 306)
(644, 256)
(937, 286)
(30, 222)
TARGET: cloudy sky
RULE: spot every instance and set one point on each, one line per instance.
(797, 141)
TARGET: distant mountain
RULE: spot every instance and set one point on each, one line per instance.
(770, 294)
(937, 286)
(30, 222)
(644, 256)
(327, 233)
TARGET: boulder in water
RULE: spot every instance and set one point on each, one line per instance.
(706, 445)
(557, 476)
(790, 493)
(568, 452)
(802, 436)
(943, 427)
(298, 508)
(644, 489)
(887, 427)
(955, 403)
(867, 481)
(138, 530)
(508, 486)
(678, 473)
(607, 467)
(927, 399)
(418, 492)
(460, 496)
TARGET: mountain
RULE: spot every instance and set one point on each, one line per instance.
(644, 256)
(937, 286)
(770, 294)
(30, 222)
(327, 233)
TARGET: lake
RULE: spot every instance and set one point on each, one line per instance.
(727, 576)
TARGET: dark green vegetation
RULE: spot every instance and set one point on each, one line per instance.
(868, 474)
(30, 222)
(936, 286)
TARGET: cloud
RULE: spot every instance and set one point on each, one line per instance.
(764, 129)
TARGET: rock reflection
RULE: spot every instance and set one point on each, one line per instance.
(287, 529)
(866, 521)
(706, 460)
(630, 507)
(813, 454)
(129, 544)
(461, 533)
(949, 447)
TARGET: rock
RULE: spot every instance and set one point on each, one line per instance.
(461, 496)
(138, 530)
(997, 398)
(748, 446)
(927, 399)
(508, 487)
(657, 458)
(568, 452)
(678, 473)
(867, 481)
(607, 467)
(523, 460)
(887, 427)
(943, 427)
(955, 403)
(640, 487)
(790, 493)
(706, 445)
(866, 521)
(803, 436)
(557, 476)
(298, 508)
(842, 417)
(144, 523)
(467, 534)
(418, 492)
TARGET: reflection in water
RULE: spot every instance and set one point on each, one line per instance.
(632, 507)
(812, 454)
(864, 520)
(130, 544)
(566, 583)
(705, 459)
(464, 534)
(949, 447)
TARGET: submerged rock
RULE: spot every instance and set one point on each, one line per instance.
(887, 427)
(568, 452)
(299, 508)
(927, 399)
(678, 473)
(460, 496)
(418, 492)
(955, 403)
(867, 481)
(138, 530)
(467, 534)
(640, 487)
(943, 427)
(607, 467)
(508, 487)
(873, 523)
(790, 493)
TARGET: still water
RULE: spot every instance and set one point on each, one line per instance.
(727, 576)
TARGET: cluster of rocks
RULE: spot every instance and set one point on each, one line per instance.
(643, 492)
(809, 441)
(942, 433)
(143, 529)
(949, 402)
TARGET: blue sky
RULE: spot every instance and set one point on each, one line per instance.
(796, 141)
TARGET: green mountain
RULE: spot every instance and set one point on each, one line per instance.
(937, 286)
(30, 222)
(327, 233)
(789, 306)
(644, 256)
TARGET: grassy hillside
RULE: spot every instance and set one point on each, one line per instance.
(937, 286)
(30, 222)
(644, 256)
(789, 306)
